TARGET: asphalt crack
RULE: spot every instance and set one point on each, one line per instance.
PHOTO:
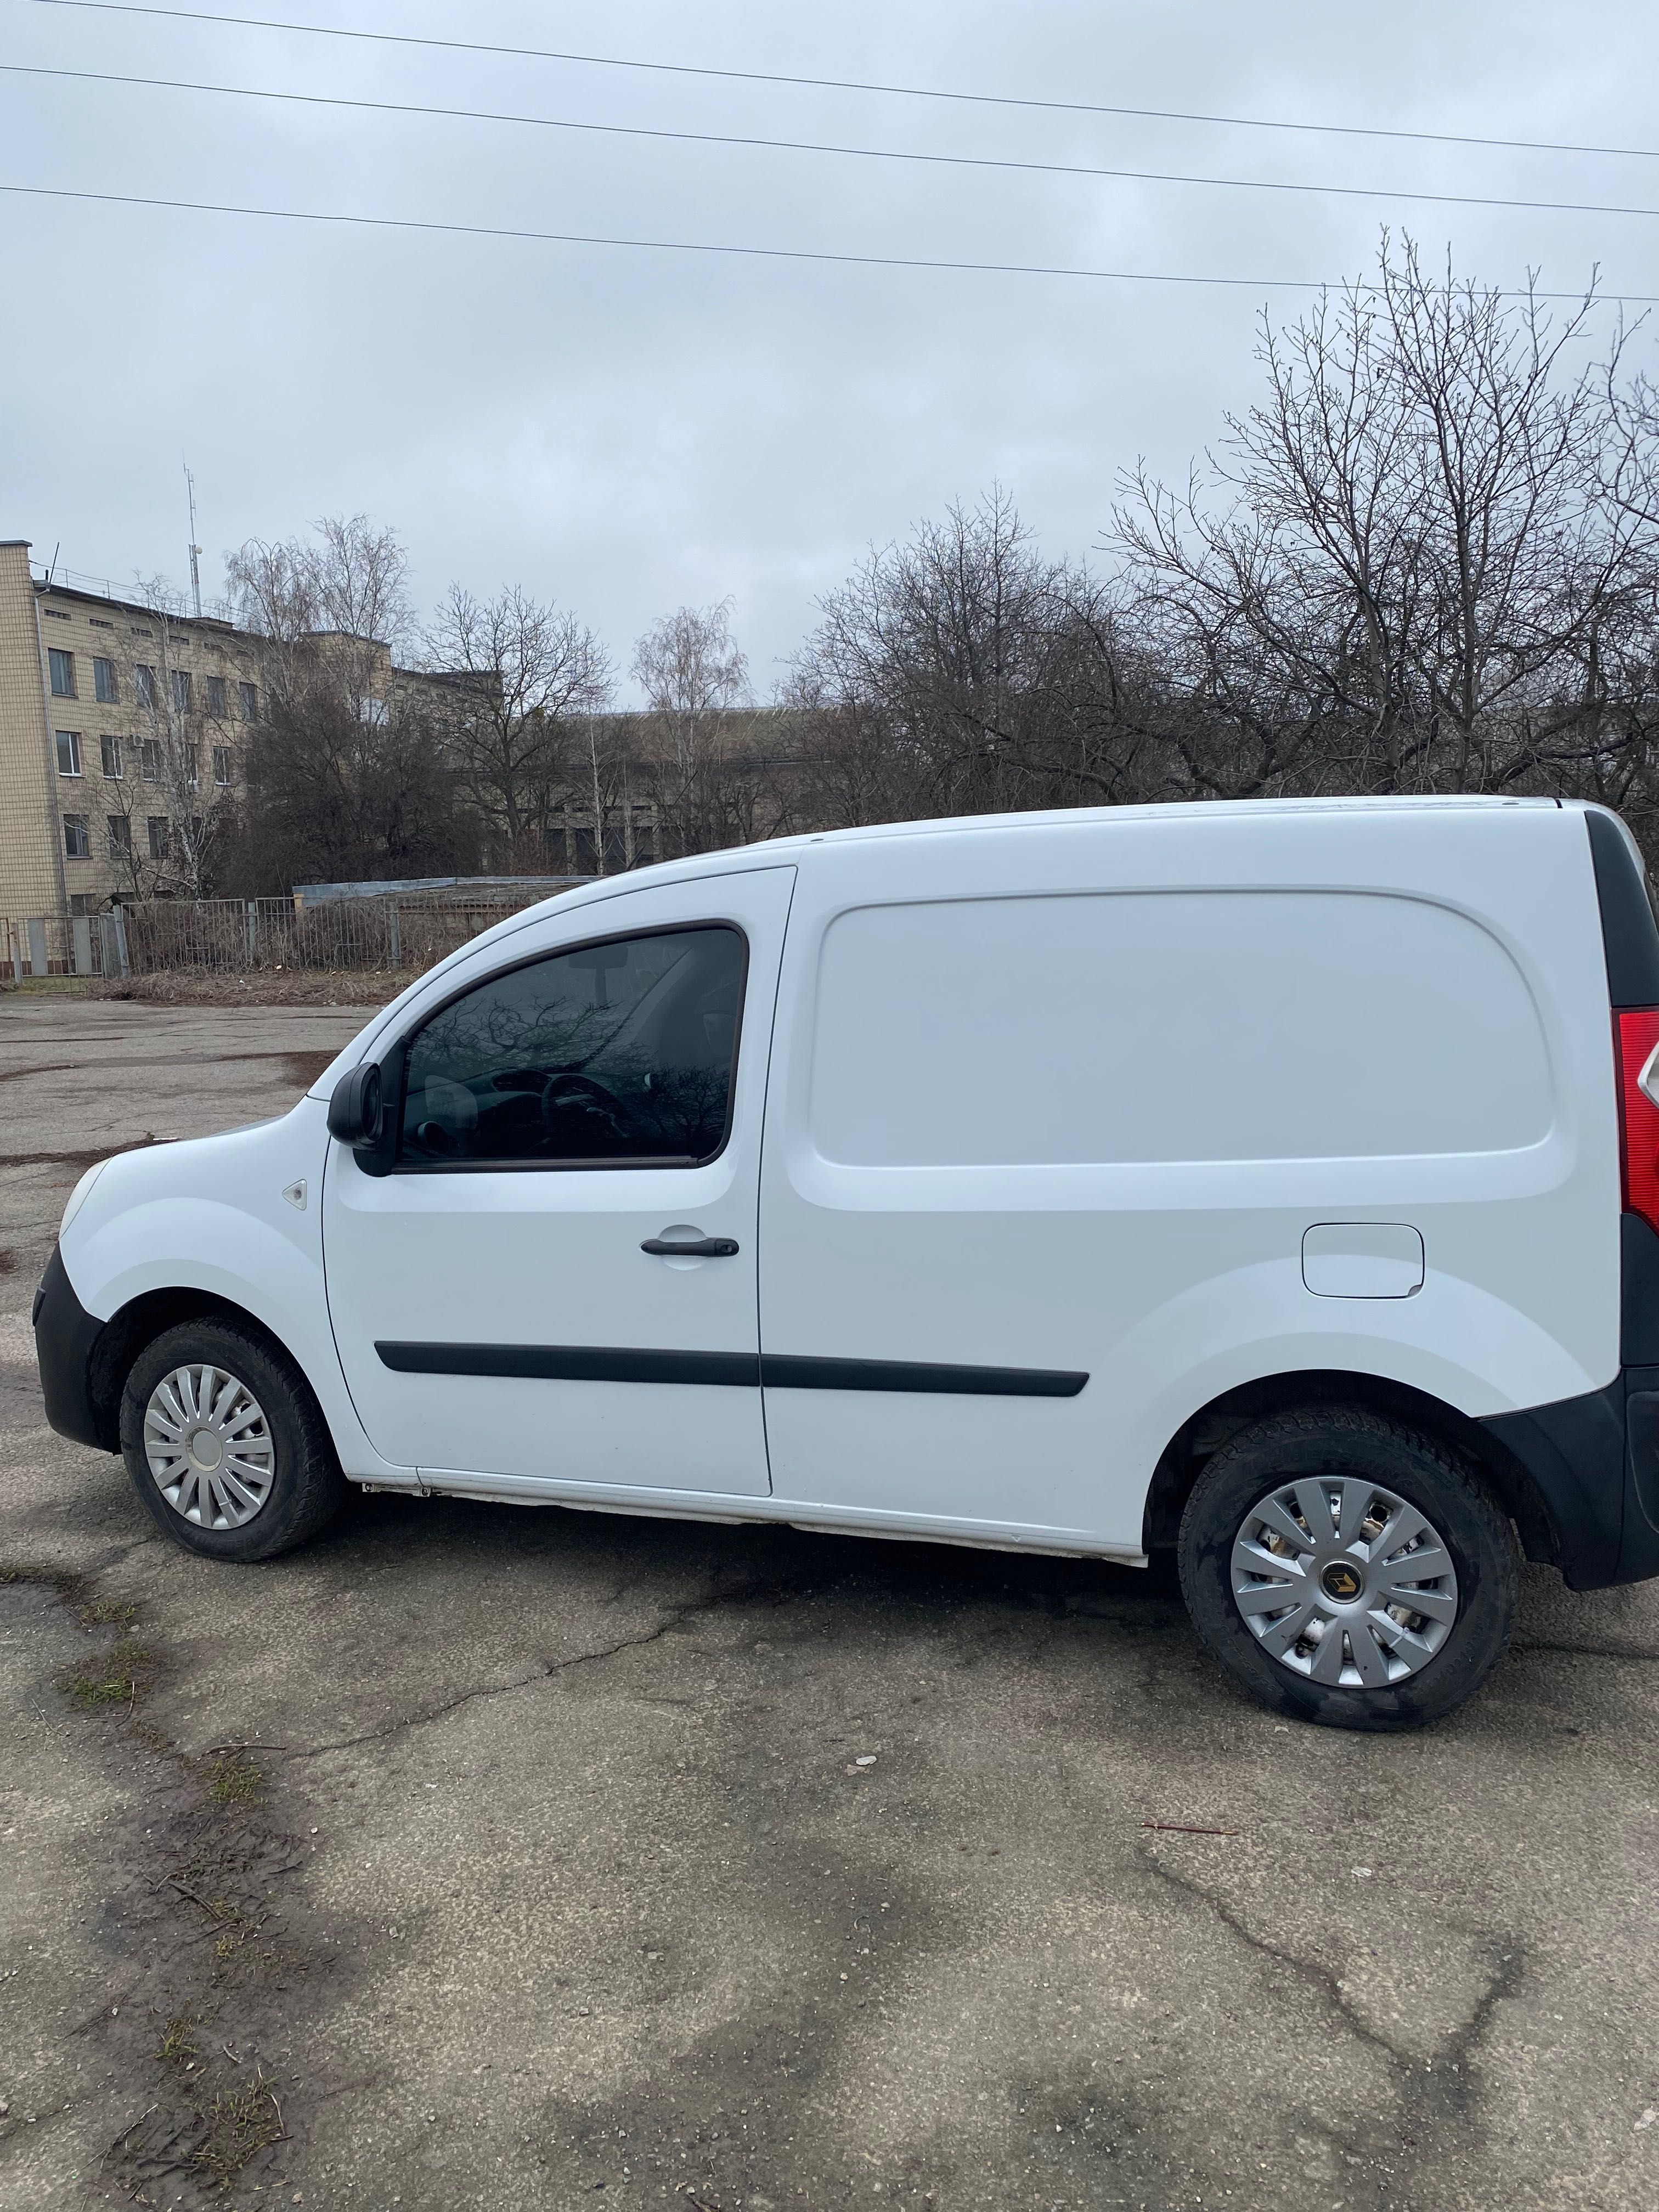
(548, 1670)
(1321, 1977)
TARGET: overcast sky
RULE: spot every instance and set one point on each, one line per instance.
(623, 431)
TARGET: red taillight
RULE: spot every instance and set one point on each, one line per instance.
(1636, 1033)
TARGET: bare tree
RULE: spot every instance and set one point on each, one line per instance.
(339, 595)
(524, 679)
(1396, 572)
(351, 776)
(697, 740)
(963, 672)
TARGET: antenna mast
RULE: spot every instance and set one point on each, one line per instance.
(195, 549)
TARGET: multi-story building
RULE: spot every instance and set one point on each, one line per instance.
(126, 730)
(123, 730)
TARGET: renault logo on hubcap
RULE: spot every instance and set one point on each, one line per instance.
(1342, 1582)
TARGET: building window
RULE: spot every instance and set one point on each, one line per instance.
(189, 765)
(247, 702)
(158, 836)
(77, 844)
(143, 684)
(104, 685)
(222, 765)
(151, 763)
(181, 691)
(215, 691)
(120, 837)
(111, 752)
(55, 614)
(62, 665)
(83, 902)
(69, 752)
(98, 623)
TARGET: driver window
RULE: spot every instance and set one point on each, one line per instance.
(613, 1053)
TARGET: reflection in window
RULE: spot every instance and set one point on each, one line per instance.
(617, 1051)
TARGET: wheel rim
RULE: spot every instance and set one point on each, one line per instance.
(1344, 1583)
(209, 1446)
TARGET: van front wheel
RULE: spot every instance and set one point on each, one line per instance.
(225, 1443)
(1347, 1569)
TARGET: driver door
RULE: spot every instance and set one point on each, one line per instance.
(596, 1088)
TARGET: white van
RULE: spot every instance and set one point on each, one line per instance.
(1275, 1181)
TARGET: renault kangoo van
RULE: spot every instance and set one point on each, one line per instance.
(1275, 1183)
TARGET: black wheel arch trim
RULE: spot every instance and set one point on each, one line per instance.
(84, 1362)
(1579, 1477)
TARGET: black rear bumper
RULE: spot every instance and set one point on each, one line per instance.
(66, 1342)
(1593, 1464)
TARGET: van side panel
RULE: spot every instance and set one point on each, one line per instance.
(1072, 1097)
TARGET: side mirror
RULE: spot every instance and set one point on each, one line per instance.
(357, 1109)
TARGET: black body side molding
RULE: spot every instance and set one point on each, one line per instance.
(573, 1363)
(595, 1363)
(784, 1370)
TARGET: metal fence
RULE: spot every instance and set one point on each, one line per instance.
(249, 936)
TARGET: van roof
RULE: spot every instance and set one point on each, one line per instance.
(1187, 809)
(969, 825)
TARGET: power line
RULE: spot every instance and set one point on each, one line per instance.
(818, 146)
(854, 84)
(679, 245)
(746, 252)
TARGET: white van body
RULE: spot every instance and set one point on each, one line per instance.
(1047, 1134)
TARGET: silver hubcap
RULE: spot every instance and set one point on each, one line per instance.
(209, 1446)
(1344, 1583)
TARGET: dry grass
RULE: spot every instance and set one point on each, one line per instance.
(240, 2120)
(367, 987)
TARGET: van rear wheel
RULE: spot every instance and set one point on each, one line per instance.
(225, 1443)
(1347, 1569)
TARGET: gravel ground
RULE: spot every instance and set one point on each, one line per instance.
(511, 1859)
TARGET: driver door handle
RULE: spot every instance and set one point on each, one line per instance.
(691, 1247)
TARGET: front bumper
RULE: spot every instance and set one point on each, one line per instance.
(66, 1344)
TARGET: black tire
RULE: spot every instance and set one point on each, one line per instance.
(1350, 1442)
(307, 1487)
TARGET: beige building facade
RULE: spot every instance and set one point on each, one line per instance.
(124, 729)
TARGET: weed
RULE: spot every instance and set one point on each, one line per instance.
(120, 1678)
(234, 1779)
(240, 2120)
(178, 2043)
(109, 1613)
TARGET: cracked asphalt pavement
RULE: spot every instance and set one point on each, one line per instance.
(497, 1858)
